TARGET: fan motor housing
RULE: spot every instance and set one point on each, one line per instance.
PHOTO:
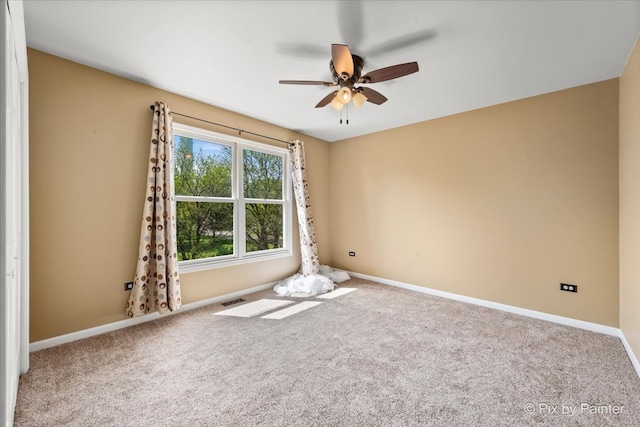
(358, 64)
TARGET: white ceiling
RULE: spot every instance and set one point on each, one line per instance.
(231, 54)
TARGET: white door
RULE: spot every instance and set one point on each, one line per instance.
(13, 223)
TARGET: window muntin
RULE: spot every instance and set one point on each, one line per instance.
(232, 199)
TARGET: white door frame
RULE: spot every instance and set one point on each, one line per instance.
(20, 41)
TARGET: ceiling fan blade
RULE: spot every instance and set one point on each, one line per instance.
(327, 99)
(342, 60)
(306, 82)
(350, 22)
(402, 42)
(301, 50)
(388, 73)
(373, 96)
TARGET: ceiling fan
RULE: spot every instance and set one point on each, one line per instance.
(346, 69)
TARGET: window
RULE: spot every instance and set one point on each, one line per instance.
(232, 199)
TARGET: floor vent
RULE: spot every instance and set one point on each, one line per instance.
(235, 301)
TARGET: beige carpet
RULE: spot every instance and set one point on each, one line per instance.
(379, 356)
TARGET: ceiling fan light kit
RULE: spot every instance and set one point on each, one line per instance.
(359, 99)
(344, 95)
(346, 69)
(336, 104)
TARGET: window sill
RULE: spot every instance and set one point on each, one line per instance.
(192, 266)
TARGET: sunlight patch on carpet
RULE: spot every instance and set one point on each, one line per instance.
(336, 293)
(294, 309)
(254, 308)
(300, 295)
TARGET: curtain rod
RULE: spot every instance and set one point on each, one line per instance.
(240, 131)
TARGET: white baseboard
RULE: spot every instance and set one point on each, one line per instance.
(581, 324)
(630, 353)
(86, 333)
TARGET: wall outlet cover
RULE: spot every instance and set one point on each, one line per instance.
(568, 287)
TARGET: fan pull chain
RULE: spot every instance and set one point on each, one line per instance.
(347, 107)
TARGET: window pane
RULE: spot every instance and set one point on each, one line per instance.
(264, 226)
(205, 230)
(262, 175)
(202, 168)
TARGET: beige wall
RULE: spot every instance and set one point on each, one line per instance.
(501, 203)
(89, 149)
(630, 200)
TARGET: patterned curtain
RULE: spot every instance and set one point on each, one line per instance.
(310, 262)
(157, 282)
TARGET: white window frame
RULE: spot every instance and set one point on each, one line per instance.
(240, 255)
